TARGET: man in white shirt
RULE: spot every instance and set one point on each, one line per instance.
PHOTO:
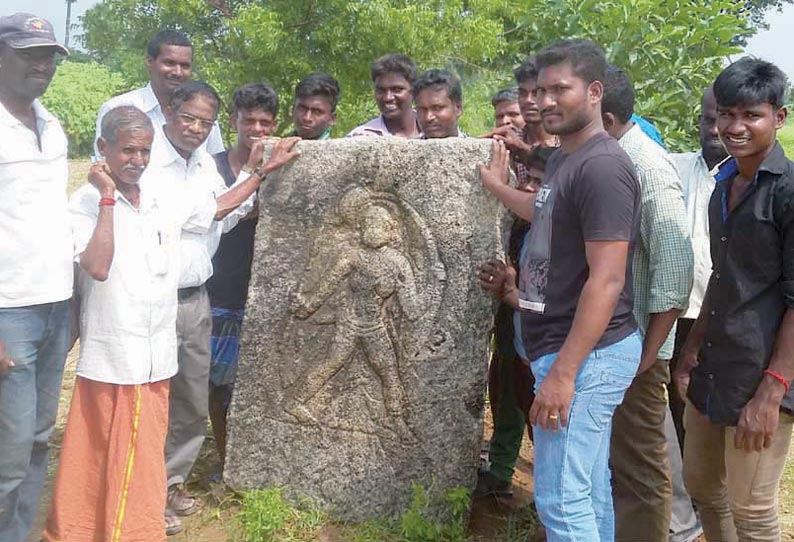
(35, 266)
(169, 61)
(697, 171)
(195, 193)
(127, 248)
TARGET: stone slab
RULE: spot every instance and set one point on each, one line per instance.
(364, 348)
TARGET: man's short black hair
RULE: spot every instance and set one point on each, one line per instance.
(166, 37)
(539, 157)
(619, 95)
(527, 70)
(750, 81)
(440, 79)
(505, 95)
(319, 84)
(394, 63)
(587, 60)
(189, 90)
(255, 96)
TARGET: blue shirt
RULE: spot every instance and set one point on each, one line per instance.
(649, 129)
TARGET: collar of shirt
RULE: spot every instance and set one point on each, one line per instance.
(326, 134)
(148, 99)
(461, 133)
(43, 117)
(775, 164)
(164, 153)
(378, 127)
(551, 142)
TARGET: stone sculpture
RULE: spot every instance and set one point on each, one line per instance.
(365, 341)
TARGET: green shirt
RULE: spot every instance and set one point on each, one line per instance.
(663, 266)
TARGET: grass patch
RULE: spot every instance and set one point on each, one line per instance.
(266, 516)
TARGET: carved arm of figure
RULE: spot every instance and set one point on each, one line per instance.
(304, 305)
(406, 290)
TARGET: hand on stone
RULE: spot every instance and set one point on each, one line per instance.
(495, 174)
(99, 175)
(284, 151)
(492, 274)
(256, 155)
(6, 363)
(509, 135)
(553, 401)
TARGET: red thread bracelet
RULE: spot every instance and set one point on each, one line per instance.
(107, 201)
(779, 377)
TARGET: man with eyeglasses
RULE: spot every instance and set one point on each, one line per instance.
(196, 196)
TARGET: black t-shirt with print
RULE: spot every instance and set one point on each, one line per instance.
(591, 194)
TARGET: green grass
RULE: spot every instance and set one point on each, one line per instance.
(266, 516)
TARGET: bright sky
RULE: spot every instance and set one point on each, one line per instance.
(774, 44)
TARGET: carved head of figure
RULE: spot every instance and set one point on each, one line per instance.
(351, 203)
(377, 227)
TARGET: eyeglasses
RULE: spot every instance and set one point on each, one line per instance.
(190, 120)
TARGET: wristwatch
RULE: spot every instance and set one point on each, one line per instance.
(259, 172)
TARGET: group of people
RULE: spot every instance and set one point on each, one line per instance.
(625, 263)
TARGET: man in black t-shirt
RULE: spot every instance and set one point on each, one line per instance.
(575, 292)
(254, 117)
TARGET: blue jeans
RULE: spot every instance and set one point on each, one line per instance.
(573, 492)
(36, 339)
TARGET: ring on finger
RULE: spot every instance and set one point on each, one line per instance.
(553, 417)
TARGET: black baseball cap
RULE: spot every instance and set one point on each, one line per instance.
(25, 30)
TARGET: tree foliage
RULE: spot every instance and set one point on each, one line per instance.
(672, 48)
(74, 96)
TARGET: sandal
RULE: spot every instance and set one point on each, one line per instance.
(173, 525)
(180, 502)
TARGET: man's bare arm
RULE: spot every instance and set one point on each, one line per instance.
(283, 152)
(688, 357)
(759, 419)
(659, 326)
(97, 257)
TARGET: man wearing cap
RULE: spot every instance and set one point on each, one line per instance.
(35, 266)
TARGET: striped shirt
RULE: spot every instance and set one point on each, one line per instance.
(663, 267)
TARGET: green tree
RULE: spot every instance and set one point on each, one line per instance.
(75, 95)
(672, 48)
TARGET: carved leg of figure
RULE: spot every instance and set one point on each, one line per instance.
(381, 356)
(315, 377)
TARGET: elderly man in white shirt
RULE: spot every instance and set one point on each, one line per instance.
(697, 170)
(111, 480)
(169, 60)
(35, 266)
(187, 174)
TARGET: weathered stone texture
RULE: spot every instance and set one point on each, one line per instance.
(364, 346)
